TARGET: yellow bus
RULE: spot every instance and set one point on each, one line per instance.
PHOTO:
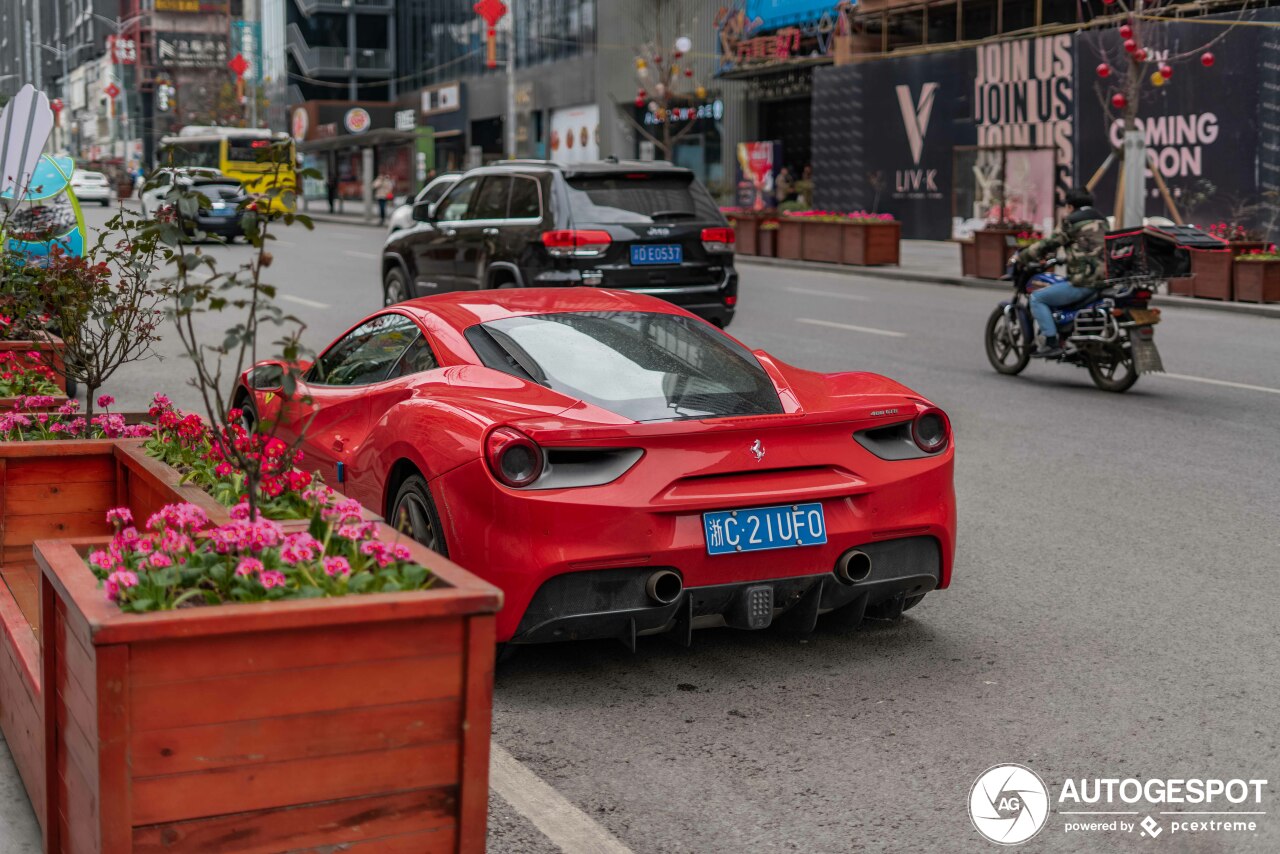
(259, 159)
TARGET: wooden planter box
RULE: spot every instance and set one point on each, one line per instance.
(350, 724)
(746, 229)
(768, 242)
(58, 489)
(822, 241)
(992, 248)
(1183, 286)
(789, 242)
(1257, 281)
(968, 258)
(871, 244)
(52, 347)
(1211, 271)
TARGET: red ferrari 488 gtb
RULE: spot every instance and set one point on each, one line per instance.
(621, 468)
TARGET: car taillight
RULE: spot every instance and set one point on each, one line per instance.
(731, 301)
(718, 240)
(930, 430)
(576, 243)
(514, 458)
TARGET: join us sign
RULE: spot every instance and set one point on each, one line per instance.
(25, 124)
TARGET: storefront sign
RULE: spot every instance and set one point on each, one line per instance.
(218, 7)
(406, 120)
(575, 133)
(356, 120)
(713, 111)
(442, 99)
(191, 50)
(122, 51)
(247, 38)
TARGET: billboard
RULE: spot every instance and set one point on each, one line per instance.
(758, 166)
(575, 134)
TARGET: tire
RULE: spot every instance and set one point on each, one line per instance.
(249, 416)
(394, 287)
(1114, 374)
(414, 513)
(104, 202)
(1006, 351)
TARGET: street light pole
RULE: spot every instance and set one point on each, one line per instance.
(511, 87)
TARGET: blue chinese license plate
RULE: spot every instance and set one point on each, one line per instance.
(730, 531)
(656, 253)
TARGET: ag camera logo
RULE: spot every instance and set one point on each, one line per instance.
(1009, 804)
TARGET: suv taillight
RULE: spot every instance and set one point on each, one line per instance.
(514, 458)
(718, 240)
(576, 243)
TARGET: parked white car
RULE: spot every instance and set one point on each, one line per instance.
(402, 217)
(91, 187)
(159, 184)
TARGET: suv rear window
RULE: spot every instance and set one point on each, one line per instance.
(641, 365)
(639, 197)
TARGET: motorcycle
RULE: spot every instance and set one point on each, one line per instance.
(1111, 333)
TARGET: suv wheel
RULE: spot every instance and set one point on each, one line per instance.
(394, 287)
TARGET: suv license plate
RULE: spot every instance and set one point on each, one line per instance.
(761, 528)
(643, 254)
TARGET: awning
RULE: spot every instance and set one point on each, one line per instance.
(382, 136)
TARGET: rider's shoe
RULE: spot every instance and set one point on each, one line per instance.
(1050, 349)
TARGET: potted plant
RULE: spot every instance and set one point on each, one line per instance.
(176, 646)
(870, 239)
(1257, 275)
(1212, 270)
(27, 373)
(789, 242)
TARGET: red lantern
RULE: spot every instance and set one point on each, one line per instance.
(1166, 71)
(1119, 101)
(1126, 31)
(641, 93)
(640, 102)
(1130, 45)
(1104, 70)
(1206, 59)
(493, 31)
(688, 72)
(676, 55)
(1140, 54)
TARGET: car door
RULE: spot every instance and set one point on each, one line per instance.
(346, 391)
(479, 232)
(435, 247)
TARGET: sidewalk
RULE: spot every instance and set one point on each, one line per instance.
(934, 262)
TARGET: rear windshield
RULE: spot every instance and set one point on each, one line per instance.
(640, 197)
(642, 366)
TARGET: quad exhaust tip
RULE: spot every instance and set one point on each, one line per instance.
(853, 566)
(664, 587)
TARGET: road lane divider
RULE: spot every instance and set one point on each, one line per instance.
(1226, 383)
(849, 327)
(811, 292)
(568, 828)
(309, 303)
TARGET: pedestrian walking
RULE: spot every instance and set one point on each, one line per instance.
(383, 191)
(331, 185)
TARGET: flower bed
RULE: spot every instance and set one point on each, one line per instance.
(1256, 275)
(859, 238)
(202, 726)
(31, 367)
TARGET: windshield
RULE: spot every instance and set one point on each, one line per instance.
(640, 197)
(255, 152)
(642, 366)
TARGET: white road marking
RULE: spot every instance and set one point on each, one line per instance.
(569, 828)
(1244, 386)
(811, 292)
(851, 328)
(310, 303)
(355, 254)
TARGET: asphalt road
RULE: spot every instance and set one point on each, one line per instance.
(1113, 611)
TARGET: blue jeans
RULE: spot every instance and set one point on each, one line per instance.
(1044, 301)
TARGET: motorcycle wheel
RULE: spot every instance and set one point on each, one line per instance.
(1007, 352)
(1114, 370)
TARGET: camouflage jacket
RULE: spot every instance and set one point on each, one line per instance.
(1083, 235)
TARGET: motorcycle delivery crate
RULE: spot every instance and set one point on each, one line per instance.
(1156, 252)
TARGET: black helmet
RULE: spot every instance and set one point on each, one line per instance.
(1079, 197)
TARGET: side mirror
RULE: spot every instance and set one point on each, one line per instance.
(424, 211)
(268, 377)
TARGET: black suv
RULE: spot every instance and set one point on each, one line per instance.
(642, 226)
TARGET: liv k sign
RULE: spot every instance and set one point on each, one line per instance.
(916, 116)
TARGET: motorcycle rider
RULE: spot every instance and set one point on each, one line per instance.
(1082, 234)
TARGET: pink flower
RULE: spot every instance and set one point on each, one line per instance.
(101, 559)
(160, 560)
(337, 566)
(105, 400)
(249, 566)
(401, 552)
(241, 510)
(121, 517)
(272, 578)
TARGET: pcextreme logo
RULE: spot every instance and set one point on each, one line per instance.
(1009, 804)
(916, 116)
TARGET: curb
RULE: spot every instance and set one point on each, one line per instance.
(338, 219)
(900, 275)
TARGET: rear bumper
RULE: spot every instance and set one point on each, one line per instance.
(614, 603)
(223, 226)
(707, 300)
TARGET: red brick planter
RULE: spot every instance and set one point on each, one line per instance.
(968, 258)
(746, 228)
(1211, 271)
(1257, 281)
(992, 248)
(768, 247)
(790, 240)
(1183, 286)
(358, 723)
(871, 244)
